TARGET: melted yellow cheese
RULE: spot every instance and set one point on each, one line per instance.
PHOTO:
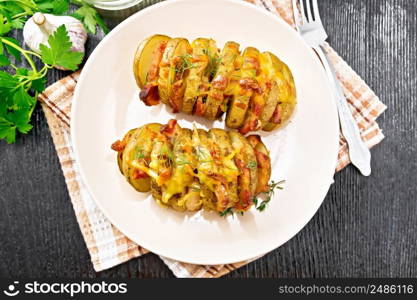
(229, 169)
(178, 182)
(145, 169)
(182, 176)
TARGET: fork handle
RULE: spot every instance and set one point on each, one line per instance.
(359, 153)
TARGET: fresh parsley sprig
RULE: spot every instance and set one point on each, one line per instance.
(20, 88)
(89, 16)
(16, 12)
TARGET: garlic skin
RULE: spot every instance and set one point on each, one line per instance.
(40, 26)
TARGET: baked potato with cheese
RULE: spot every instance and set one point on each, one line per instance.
(256, 90)
(190, 170)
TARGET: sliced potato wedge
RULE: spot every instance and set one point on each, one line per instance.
(244, 90)
(160, 165)
(272, 68)
(139, 149)
(165, 66)
(204, 55)
(208, 171)
(221, 78)
(245, 159)
(174, 69)
(265, 98)
(263, 163)
(223, 146)
(147, 58)
(183, 165)
(286, 99)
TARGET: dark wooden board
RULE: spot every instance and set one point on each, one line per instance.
(365, 227)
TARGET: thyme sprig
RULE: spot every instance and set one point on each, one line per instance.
(262, 203)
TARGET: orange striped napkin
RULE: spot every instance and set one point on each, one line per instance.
(107, 245)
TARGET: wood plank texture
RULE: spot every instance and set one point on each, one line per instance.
(365, 227)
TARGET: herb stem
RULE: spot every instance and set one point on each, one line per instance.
(21, 50)
(29, 4)
(32, 109)
(32, 53)
(23, 14)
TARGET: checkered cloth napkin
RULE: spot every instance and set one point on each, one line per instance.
(107, 245)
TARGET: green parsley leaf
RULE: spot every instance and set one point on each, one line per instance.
(90, 18)
(11, 50)
(59, 51)
(19, 87)
(4, 61)
(7, 81)
(7, 130)
(22, 99)
(18, 23)
(22, 71)
(21, 119)
(5, 26)
(60, 7)
(38, 85)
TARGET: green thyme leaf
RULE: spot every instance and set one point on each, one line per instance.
(226, 212)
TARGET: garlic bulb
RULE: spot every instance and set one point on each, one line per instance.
(40, 26)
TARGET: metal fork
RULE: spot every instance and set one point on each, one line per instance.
(308, 23)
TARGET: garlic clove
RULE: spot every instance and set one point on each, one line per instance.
(39, 18)
(40, 26)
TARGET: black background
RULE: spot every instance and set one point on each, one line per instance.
(366, 227)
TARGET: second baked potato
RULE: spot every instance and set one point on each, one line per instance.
(193, 169)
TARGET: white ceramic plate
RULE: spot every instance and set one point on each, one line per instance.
(106, 105)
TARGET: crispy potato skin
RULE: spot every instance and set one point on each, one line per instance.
(190, 170)
(255, 90)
